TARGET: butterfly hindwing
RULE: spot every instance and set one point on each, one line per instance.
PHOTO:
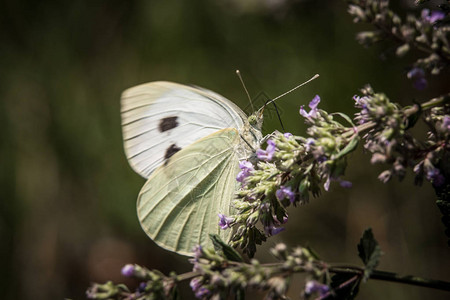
(179, 203)
(160, 118)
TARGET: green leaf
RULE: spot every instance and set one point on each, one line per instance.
(222, 247)
(369, 251)
(412, 119)
(313, 253)
(343, 290)
(351, 146)
(345, 117)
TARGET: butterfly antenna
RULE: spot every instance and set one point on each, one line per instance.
(279, 117)
(291, 90)
(245, 88)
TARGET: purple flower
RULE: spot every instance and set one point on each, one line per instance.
(272, 230)
(313, 286)
(415, 73)
(435, 176)
(128, 270)
(313, 105)
(287, 135)
(309, 143)
(142, 286)
(199, 290)
(198, 252)
(246, 170)
(225, 222)
(418, 75)
(345, 184)
(446, 123)
(196, 283)
(433, 16)
(420, 84)
(285, 192)
(267, 154)
(202, 293)
(361, 103)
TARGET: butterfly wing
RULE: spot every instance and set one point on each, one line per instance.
(160, 118)
(179, 203)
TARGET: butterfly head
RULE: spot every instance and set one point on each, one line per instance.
(256, 119)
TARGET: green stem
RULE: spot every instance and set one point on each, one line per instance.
(188, 275)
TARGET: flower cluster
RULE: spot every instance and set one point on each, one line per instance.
(428, 33)
(152, 282)
(390, 142)
(218, 276)
(287, 172)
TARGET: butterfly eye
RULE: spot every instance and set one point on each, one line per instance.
(253, 120)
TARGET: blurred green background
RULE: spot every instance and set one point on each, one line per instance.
(68, 196)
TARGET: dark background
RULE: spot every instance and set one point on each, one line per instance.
(68, 196)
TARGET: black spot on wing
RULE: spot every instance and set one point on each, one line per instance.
(171, 151)
(167, 123)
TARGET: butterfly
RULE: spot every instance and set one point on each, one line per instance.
(187, 142)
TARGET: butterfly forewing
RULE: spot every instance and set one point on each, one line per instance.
(179, 203)
(160, 118)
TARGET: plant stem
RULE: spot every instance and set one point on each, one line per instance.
(412, 280)
(393, 277)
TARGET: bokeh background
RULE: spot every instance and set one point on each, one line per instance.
(68, 196)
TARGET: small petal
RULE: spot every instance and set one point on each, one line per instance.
(246, 169)
(313, 286)
(303, 112)
(272, 230)
(326, 185)
(345, 184)
(415, 73)
(128, 270)
(420, 84)
(314, 102)
(267, 154)
(196, 283)
(446, 123)
(225, 222)
(285, 192)
(287, 135)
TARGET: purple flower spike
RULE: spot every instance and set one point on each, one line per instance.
(313, 286)
(285, 192)
(246, 170)
(267, 154)
(225, 222)
(287, 135)
(128, 270)
(313, 105)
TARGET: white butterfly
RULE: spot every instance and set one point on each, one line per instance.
(187, 141)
